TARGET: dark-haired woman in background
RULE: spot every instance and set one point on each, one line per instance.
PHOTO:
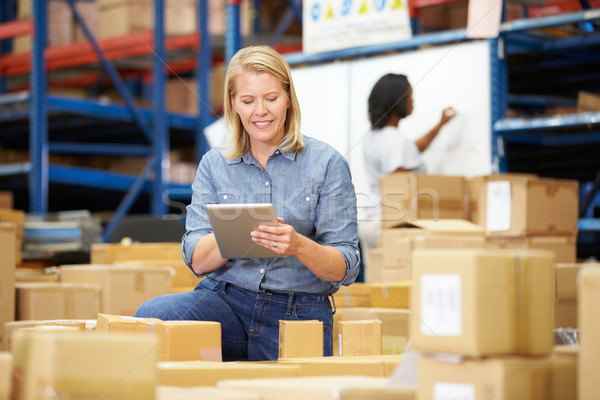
(386, 150)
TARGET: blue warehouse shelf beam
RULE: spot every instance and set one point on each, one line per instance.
(38, 122)
(100, 149)
(233, 35)
(161, 137)
(203, 72)
(553, 20)
(554, 140)
(499, 90)
(541, 123)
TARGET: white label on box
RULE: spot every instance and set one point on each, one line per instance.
(441, 304)
(453, 391)
(498, 206)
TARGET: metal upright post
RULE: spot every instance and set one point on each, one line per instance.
(233, 35)
(38, 121)
(499, 89)
(203, 69)
(161, 138)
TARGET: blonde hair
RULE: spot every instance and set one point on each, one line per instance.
(260, 59)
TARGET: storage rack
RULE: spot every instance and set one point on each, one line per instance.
(514, 37)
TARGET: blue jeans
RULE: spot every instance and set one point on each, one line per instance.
(249, 320)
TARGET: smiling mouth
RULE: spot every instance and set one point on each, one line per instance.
(262, 124)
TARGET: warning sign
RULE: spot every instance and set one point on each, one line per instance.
(339, 24)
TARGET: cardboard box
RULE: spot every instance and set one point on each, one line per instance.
(563, 247)
(391, 295)
(124, 288)
(207, 373)
(374, 269)
(480, 303)
(179, 340)
(562, 378)
(388, 393)
(36, 275)
(394, 325)
(16, 217)
(57, 301)
(6, 199)
(122, 17)
(6, 368)
(79, 366)
(152, 254)
(300, 338)
(182, 94)
(589, 333)
(408, 197)
(204, 393)
(588, 102)
(302, 388)
(448, 233)
(516, 378)
(375, 366)
(7, 278)
(515, 206)
(360, 338)
(355, 295)
(566, 295)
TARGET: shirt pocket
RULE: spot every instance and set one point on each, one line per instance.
(302, 211)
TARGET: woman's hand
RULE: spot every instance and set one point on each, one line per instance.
(447, 115)
(280, 238)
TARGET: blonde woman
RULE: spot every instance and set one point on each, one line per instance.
(267, 160)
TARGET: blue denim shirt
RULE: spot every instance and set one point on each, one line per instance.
(313, 192)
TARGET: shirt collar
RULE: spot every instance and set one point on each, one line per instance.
(248, 158)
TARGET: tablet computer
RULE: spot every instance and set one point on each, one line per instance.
(232, 224)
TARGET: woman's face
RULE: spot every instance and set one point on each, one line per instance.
(261, 102)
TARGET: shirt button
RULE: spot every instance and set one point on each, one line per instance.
(277, 152)
(262, 271)
(307, 198)
(267, 183)
(224, 197)
(357, 252)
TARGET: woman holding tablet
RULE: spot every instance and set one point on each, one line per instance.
(267, 160)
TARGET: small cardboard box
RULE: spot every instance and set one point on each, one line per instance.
(206, 373)
(517, 378)
(179, 340)
(394, 325)
(515, 206)
(124, 288)
(7, 278)
(588, 102)
(408, 197)
(300, 338)
(391, 295)
(481, 303)
(589, 333)
(360, 338)
(41, 301)
(77, 365)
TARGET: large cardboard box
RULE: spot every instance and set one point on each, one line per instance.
(16, 217)
(6, 364)
(84, 366)
(360, 338)
(589, 333)
(563, 247)
(124, 288)
(152, 254)
(207, 373)
(480, 303)
(394, 325)
(408, 197)
(566, 295)
(57, 301)
(515, 378)
(391, 295)
(300, 338)
(376, 366)
(7, 277)
(179, 340)
(513, 206)
(302, 388)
